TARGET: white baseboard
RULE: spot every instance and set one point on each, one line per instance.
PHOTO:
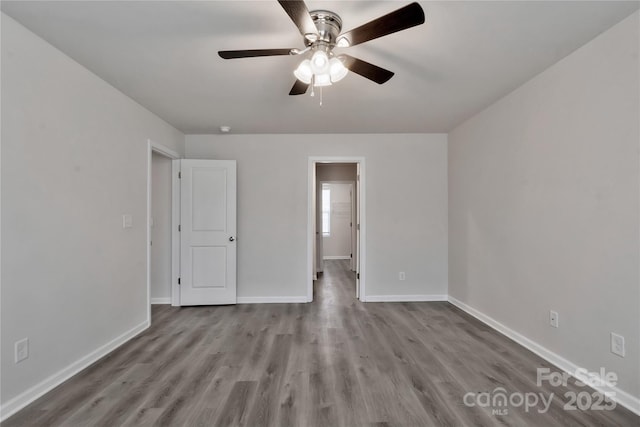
(271, 300)
(620, 396)
(165, 300)
(330, 257)
(23, 399)
(405, 298)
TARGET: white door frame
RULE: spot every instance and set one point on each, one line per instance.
(153, 147)
(313, 160)
(175, 234)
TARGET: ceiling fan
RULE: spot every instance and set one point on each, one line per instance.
(321, 34)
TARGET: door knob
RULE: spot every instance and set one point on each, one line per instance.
(231, 239)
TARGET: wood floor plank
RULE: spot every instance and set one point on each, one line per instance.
(265, 409)
(294, 395)
(109, 396)
(235, 410)
(177, 413)
(142, 417)
(335, 362)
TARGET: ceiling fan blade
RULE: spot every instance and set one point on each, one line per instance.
(299, 14)
(299, 88)
(403, 18)
(252, 53)
(365, 69)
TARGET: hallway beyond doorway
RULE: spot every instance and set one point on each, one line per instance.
(337, 283)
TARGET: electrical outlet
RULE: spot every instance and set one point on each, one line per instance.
(553, 318)
(127, 221)
(21, 350)
(617, 344)
(401, 275)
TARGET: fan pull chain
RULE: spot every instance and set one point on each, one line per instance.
(313, 83)
(321, 96)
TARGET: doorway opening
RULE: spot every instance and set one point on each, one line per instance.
(159, 224)
(336, 223)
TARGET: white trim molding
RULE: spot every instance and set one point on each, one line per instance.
(621, 397)
(165, 151)
(333, 257)
(406, 298)
(154, 147)
(175, 235)
(33, 393)
(272, 300)
(166, 300)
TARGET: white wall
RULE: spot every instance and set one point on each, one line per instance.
(543, 214)
(406, 208)
(161, 229)
(74, 160)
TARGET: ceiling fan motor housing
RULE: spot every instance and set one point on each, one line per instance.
(329, 26)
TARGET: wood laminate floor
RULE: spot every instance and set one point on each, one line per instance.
(335, 362)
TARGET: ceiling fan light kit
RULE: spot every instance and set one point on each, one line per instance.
(320, 70)
(320, 30)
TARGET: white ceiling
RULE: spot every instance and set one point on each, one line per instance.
(164, 55)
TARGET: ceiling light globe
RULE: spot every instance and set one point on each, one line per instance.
(337, 70)
(319, 62)
(303, 72)
(322, 80)
(343, 42)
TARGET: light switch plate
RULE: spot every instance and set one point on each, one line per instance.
(127, 221)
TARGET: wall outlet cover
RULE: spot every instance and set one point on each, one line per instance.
(21, 350)
(617, 344)
(554, 318)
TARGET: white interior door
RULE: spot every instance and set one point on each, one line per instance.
(207, 232)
